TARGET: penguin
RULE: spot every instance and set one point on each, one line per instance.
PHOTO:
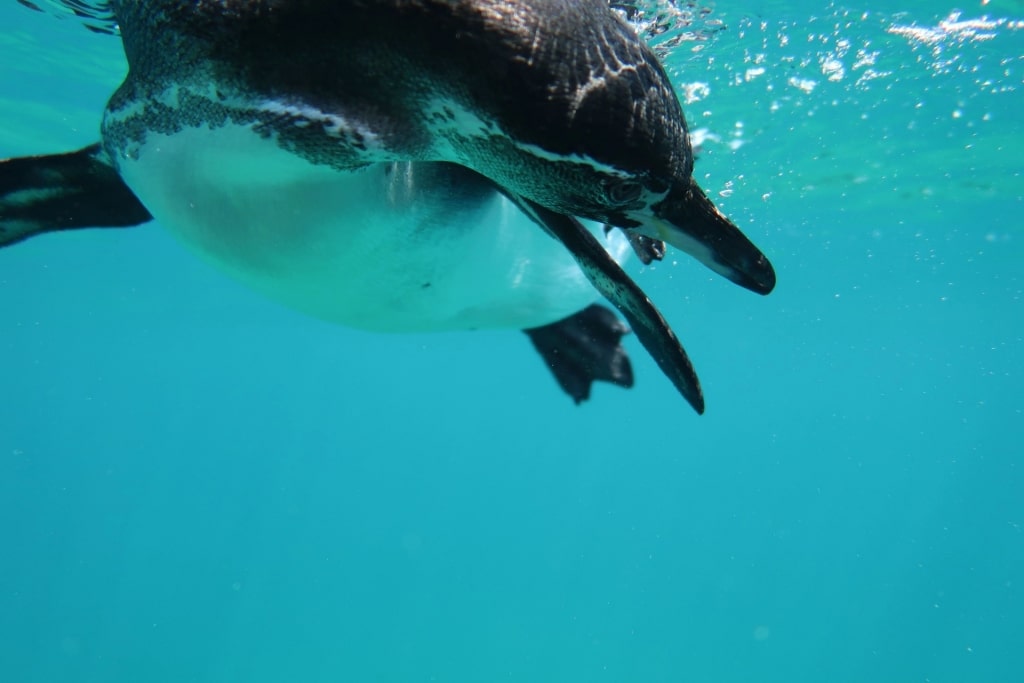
(405, 165)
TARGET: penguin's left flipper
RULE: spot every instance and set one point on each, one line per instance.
(609, 279)
(584, 348)
(64, 192)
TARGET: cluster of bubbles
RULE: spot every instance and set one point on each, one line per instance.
(810, 90)
(666, 24)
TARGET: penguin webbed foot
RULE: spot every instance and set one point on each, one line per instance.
(584, 348)
(647, 249)
(64, 192)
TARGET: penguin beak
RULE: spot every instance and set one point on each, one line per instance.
(688, 220)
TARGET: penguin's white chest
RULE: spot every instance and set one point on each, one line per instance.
(392, 247)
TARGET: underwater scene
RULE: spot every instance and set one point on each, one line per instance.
(199, 484)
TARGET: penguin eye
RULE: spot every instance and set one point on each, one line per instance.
(621, 192)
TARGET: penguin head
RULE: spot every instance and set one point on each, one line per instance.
(660, 200)
(609, 142)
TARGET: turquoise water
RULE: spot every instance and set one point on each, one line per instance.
(197, 485)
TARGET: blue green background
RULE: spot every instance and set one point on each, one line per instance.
(197, 485)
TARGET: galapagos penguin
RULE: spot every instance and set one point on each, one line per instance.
(404, 165)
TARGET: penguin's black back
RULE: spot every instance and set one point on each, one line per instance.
(519, 65)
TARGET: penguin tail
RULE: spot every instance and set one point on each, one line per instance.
(64, 192)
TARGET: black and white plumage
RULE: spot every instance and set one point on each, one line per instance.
(386, 163)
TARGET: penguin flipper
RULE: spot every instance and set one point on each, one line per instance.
(584, 348)
(64, 192)
(613, 283)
